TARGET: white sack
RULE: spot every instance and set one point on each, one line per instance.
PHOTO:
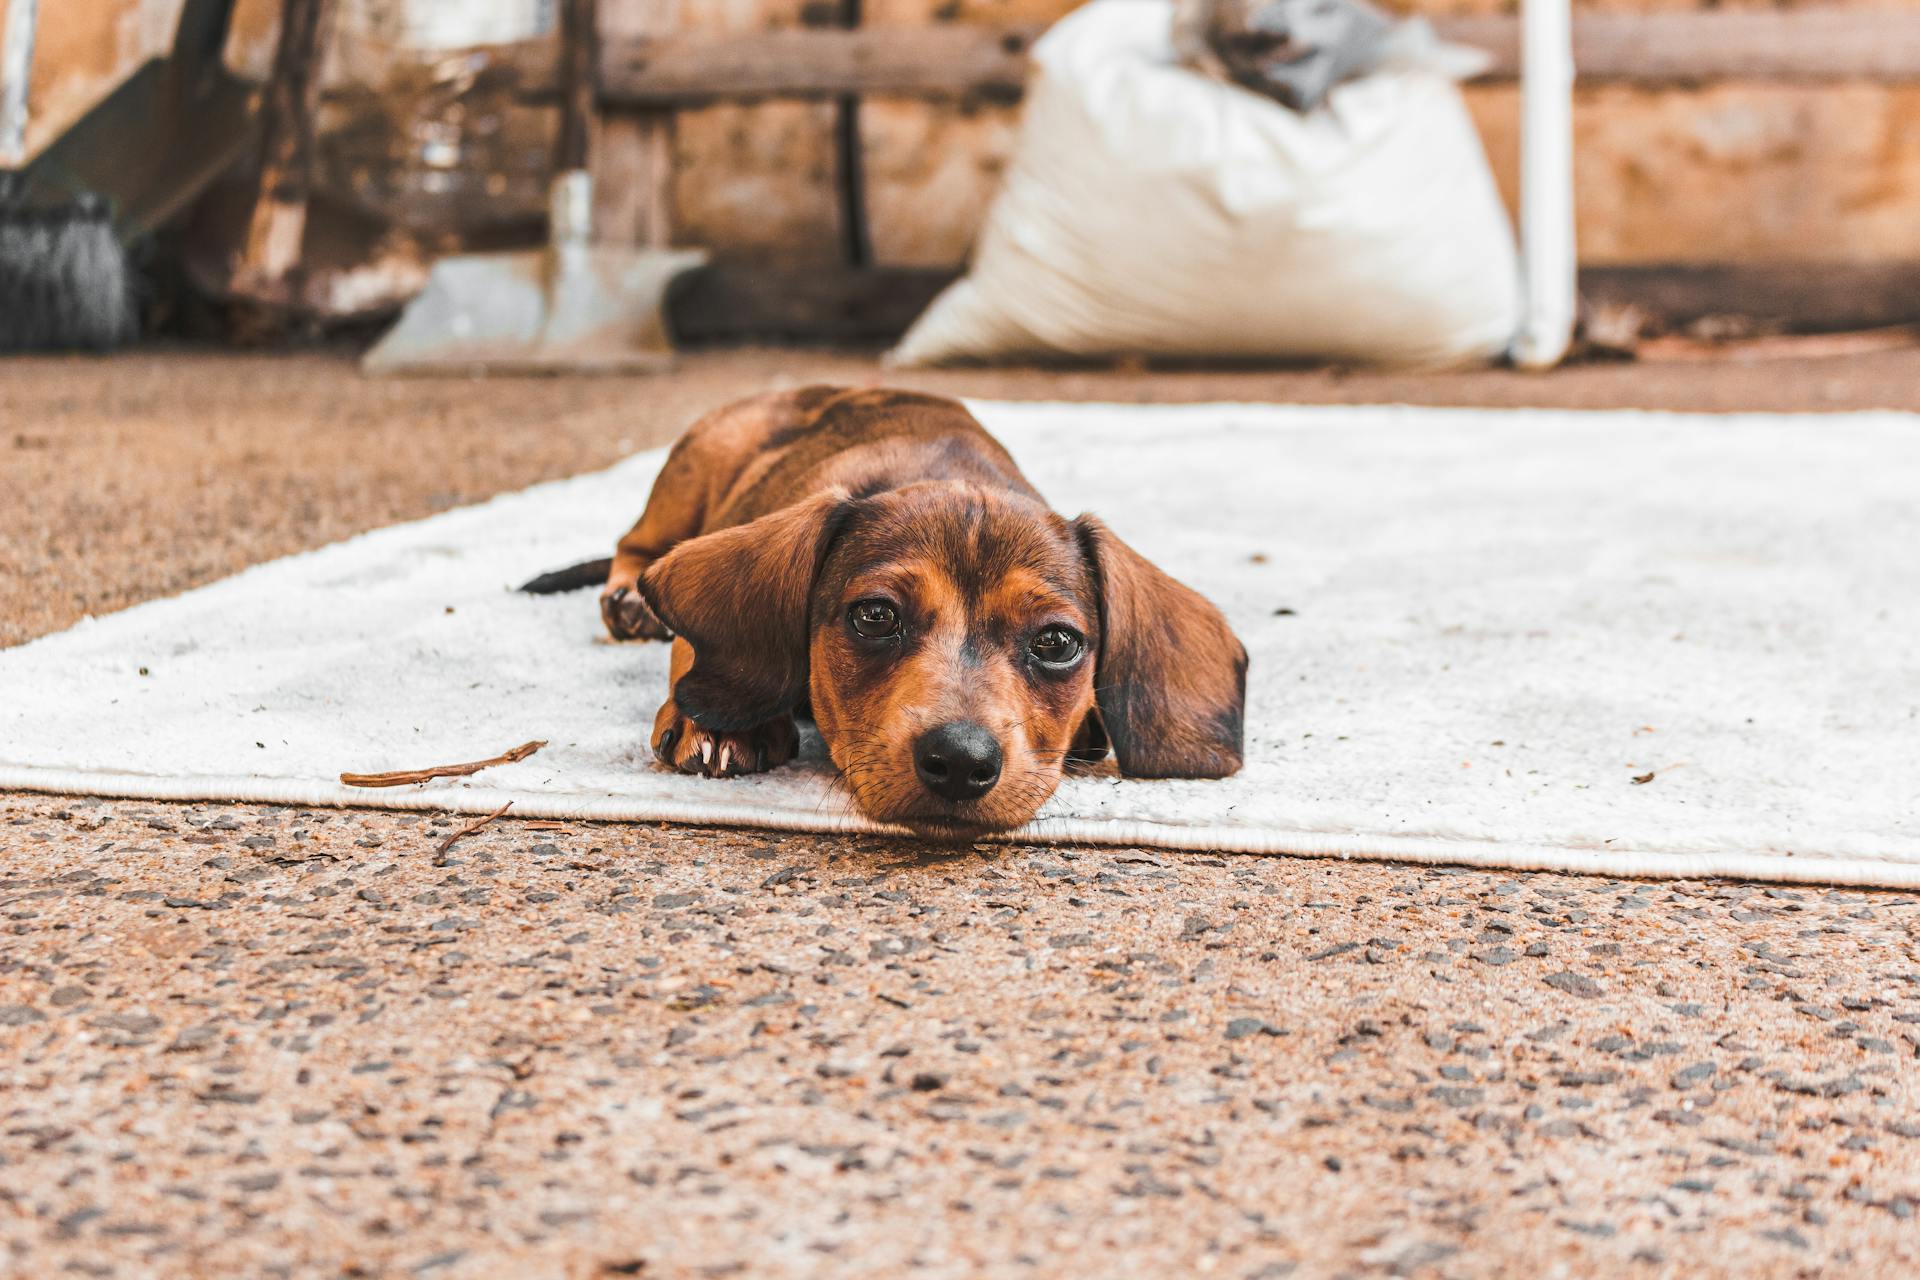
(1149, 209)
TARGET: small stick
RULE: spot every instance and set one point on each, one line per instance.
(404, 777)
(469, 829)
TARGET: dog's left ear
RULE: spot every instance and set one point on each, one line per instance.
(1171, 679)
(740, 597)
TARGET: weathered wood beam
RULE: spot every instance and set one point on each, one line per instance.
(831, 306)
(631, 152)
(958, 60)
(938, 61)
(1801, 297)
(734, 302)
(678, 70)
(1666, 48)
(579, 50)
(270, 256)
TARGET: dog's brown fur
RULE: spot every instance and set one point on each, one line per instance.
(774, 516)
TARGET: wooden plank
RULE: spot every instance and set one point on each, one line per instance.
(1801, 297)
(733, 302)
(739, 302)
(579, 50)
(630, 154)
(1656, 48)
(941, 61)
(631, 160)
(269, 260)
(956, 60)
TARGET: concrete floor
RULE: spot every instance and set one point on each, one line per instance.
(257, 1041)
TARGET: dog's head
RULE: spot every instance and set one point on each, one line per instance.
(958, 644)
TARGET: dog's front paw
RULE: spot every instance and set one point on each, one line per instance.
(627, 616)
(681, 744)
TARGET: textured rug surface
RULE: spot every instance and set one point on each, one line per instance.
(1619, 642)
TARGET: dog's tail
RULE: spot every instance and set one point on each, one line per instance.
(588, 573)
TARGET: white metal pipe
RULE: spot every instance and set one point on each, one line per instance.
(1548, 252)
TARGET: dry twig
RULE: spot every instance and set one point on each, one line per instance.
(469, 829)
(405, 777)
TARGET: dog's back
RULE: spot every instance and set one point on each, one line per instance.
(778, 449)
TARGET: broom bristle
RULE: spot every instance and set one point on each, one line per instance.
(64, 279)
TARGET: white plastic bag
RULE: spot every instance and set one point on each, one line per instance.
(1152, 210)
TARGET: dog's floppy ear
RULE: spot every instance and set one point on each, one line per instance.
(1171, 679)
(740, 597)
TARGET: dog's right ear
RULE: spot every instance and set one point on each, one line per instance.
(739, 596)
(1171, 679)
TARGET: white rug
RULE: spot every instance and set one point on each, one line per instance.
(1623, 643)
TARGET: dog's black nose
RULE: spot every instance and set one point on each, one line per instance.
(959, 760)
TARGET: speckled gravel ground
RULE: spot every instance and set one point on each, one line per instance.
(266, 1042)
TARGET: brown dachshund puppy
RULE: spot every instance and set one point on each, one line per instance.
(874, 559)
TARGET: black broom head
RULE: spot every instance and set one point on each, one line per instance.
(65, 283)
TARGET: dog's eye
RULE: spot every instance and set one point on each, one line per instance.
(1057, 647)
(874, 619)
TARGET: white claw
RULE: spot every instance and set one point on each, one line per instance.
(726, 758)
(706, 751)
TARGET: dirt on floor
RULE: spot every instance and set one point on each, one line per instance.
(263, 1041)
